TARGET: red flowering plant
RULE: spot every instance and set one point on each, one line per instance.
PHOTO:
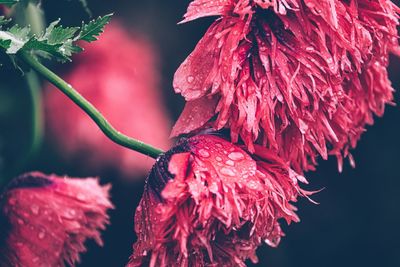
(49, 218)
(270, 88)
(302, 78)
(207, 201)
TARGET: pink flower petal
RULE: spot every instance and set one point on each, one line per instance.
(49, 219)
(207, 202)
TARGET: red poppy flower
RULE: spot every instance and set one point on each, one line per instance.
(123, 83)
(47, 219)
(207, 202)
(286, 74)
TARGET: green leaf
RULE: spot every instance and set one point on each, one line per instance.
(8, 2)
(4, 21)
(92, 30)
(58, 34)
(44, 46)
(5, 44)
(21, 33)
(56, 42)
(14, 39)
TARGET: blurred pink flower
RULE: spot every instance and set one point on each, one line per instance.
(49, 218)
(118, 75)
(207, 202)
(302, 78)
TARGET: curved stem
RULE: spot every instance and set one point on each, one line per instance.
(85, 105)
(36, 112)
(33, 16)
(36, 131)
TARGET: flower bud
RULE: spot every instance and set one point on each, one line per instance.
(207, 201)
(47, 219)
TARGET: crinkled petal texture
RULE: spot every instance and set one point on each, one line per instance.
(207, 202)
(47, 219)
(290, 75)
(124, 84)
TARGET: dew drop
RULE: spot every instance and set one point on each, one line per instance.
(70, 214)
(81, 197)
(35, 209)
(204, 153)
(12, 201)
(252, 185)
(218, 158)
(41, 235)
(190, 79)
(236, 156)
(230, 163)
(227, 171)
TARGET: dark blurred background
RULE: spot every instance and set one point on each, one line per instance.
(357, 222)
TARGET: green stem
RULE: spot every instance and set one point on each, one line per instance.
(36, 132)
(85, 105)
(33, 15)
(35, 18)
(30, 15)
(36, 113)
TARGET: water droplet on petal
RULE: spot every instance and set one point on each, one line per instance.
(227, 171)
(230, 163)
(35, 209)
(41, 235)
(70, 214)
(81, 197)
(190, 79)
(236, 156)
(204, 153)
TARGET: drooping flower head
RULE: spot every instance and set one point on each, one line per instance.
(302, 78)
(45, 219)
(118, 75)
(207, 202)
